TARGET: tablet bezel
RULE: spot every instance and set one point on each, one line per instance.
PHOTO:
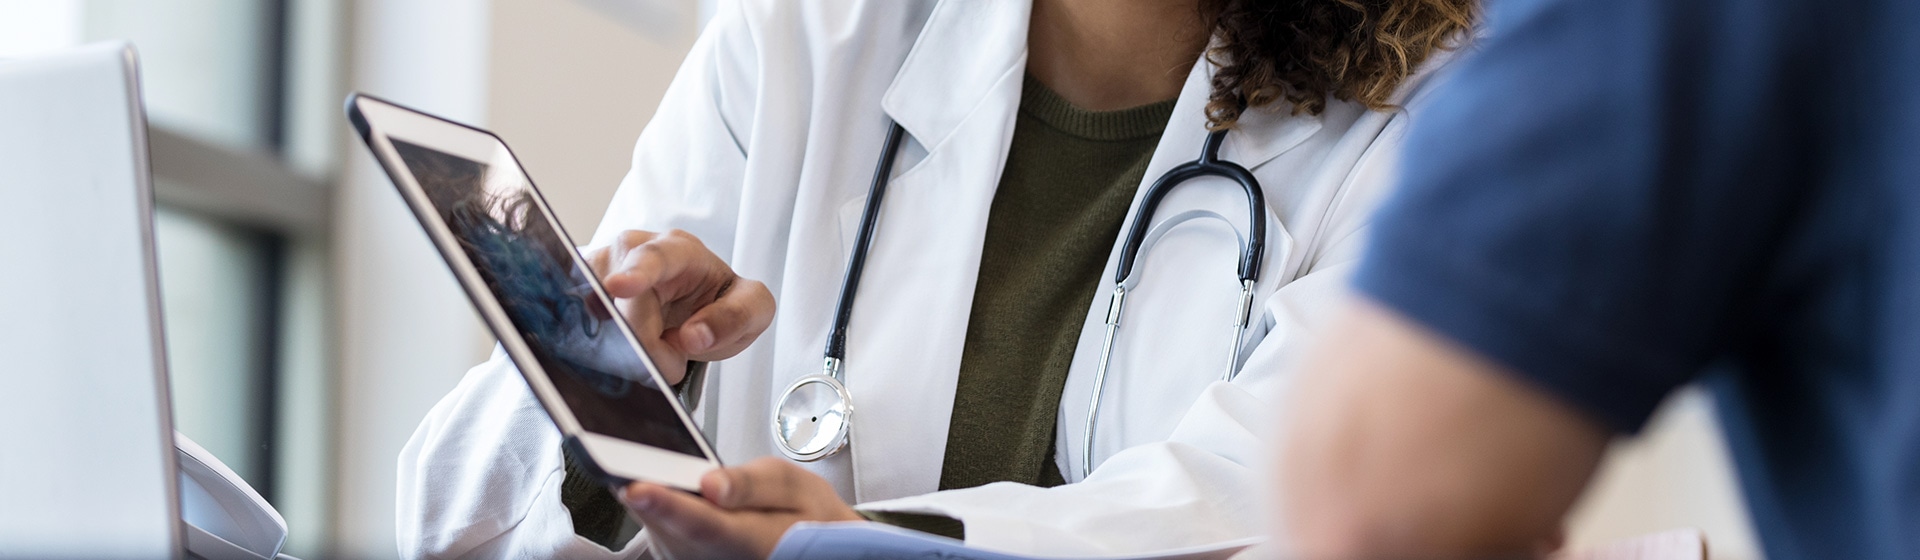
(618, 460)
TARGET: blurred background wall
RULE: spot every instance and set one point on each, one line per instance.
(310, 324)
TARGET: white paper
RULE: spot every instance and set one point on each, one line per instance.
(855, 540)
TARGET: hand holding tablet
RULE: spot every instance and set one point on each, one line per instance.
(602, 388)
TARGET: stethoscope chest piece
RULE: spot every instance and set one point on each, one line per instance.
(813, 416)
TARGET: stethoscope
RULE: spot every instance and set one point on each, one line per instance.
(813, 416)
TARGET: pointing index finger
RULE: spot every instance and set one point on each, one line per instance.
(670, 264)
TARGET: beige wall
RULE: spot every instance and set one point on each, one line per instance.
(1675, 474)
(571, 90)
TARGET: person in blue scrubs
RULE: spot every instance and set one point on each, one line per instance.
(1612, 199)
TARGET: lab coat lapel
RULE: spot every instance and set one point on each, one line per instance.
(1261, 135)
(956, 95)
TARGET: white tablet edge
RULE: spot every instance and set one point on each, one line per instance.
(619, 457)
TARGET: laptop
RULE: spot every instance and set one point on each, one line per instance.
(87, 464)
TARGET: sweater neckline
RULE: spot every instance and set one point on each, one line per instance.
(1132, 123)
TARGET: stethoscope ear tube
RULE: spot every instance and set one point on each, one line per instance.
(1209, 164)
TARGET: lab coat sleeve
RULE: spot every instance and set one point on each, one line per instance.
(1205, 484)
(1208, 482)
(481, 476)
(690, 162)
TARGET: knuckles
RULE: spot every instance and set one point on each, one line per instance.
(761, 475)
(632, 245)
(652, 249)
(633, 237)
(678, 235)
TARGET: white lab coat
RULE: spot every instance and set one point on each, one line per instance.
(764, 146)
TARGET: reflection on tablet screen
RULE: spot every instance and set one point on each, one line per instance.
(529, 268)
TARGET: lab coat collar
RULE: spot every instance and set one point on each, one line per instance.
(1264, 133)
(965, 50)
(1261, 134)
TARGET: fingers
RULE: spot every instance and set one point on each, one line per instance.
(770, 484)
(764, 483)
(725, 327)
(746, 511)
(598, 260)
(604, 258)
(703, 309)
(680, 525)
(675, 264)
(675, 512)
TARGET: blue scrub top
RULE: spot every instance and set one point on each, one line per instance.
(1617, 197)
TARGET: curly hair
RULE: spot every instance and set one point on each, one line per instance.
(1304, 51)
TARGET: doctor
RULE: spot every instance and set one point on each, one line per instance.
(1028, 131)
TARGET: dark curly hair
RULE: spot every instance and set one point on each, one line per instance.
(1304, 51)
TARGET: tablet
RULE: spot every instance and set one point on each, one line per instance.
(538, 295)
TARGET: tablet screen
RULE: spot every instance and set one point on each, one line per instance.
(549, 297)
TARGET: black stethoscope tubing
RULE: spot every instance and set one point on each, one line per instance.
(843, 313)
(1209, 164)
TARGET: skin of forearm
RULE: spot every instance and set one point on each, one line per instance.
(1401, 445)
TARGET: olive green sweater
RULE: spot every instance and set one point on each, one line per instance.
(1070, 176)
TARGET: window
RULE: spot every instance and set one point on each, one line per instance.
(242, 99)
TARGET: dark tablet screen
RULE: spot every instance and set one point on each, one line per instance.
(549, 297)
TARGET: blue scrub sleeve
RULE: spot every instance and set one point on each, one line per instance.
(1589, 197)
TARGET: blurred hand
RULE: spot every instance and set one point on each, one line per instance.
(680, 299)
(741, 512)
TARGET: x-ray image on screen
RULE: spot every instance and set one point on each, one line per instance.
(549, 298)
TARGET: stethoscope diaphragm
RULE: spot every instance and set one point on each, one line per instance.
(813, 416)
